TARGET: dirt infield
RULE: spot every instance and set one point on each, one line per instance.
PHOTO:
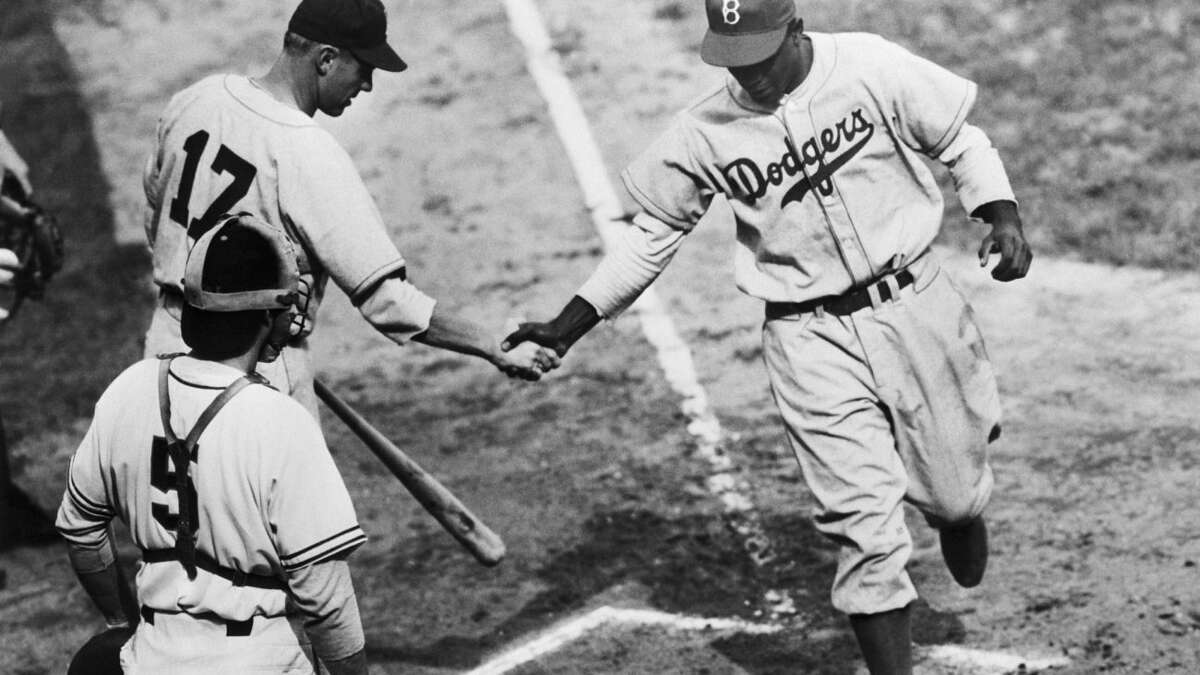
(592, 477)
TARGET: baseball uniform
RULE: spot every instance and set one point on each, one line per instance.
(875, 361)
(269, 504)
(224, 145)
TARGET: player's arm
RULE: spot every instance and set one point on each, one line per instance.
(11, 162)
(634, 261)
(324, 593)
(83, 520)
(930, 106)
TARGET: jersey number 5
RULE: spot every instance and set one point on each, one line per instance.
(162, 477)
(226, 161)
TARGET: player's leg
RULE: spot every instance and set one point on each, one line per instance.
(932, 370)
(844, 445)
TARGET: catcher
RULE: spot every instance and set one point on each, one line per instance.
(226, 485)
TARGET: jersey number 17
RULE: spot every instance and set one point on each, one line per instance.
(226, 161)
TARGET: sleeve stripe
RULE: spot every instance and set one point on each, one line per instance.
(81, 531)
(80, 497)
(355, 541)
(349, 530)
(85, 508)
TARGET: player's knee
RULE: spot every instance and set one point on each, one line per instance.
(953, 512)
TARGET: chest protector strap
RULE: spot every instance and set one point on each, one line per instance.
(181, 454)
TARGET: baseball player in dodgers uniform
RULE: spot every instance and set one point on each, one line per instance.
(875, 361)
(231, 143)
(226, 486)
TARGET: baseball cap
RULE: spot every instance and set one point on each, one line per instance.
(357, 25)
(744, 32)
(242, 263)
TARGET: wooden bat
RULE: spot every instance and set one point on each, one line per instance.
(481, 541)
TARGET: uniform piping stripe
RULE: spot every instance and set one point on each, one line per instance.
(86, 506)
(321, 557)
(81, 531)
(306, 549)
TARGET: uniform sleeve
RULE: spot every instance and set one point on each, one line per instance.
(336, 218)
(635, 260)
(324, 593)
(667, 180)
(86, 510)
(975, 166)
(930, 103)
(308, 508)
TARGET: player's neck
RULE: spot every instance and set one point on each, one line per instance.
(284, 82)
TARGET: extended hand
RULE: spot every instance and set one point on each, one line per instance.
(526, 362)
(544, 334)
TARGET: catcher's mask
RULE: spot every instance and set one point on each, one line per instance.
(206, 282)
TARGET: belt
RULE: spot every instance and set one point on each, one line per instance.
(847, 303)
(232, 628)
(208, 564)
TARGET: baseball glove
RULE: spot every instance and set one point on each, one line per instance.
(35, 238)
(101, 655)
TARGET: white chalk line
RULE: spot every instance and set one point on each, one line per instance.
(675, 358)
(975, 661)
(605, 210)
(572, 629)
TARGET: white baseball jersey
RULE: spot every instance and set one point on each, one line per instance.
(225, 145)
(270, 499)
(828, 187)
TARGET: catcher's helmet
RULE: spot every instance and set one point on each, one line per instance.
(226, 270)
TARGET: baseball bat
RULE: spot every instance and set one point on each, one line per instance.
(479, 539)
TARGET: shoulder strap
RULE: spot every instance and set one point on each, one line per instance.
(182, 452)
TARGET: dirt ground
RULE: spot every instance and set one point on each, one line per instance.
(591, 477)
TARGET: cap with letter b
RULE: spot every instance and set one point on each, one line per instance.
(744, 32)
(241, 263)
(357, 25)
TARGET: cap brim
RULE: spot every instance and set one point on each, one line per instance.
(727, 51)
(382, 56)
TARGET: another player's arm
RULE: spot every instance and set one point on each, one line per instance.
(643, 251)
(337, 217)
(83, 520)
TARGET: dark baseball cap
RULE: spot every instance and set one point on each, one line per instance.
(357, 25)
(744, 32)
(242, 263)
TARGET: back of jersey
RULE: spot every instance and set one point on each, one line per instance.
(218, 150)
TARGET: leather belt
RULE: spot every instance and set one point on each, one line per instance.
(847, 303)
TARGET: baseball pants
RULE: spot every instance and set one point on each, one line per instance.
(291, 373)
(182, 644)
(894, 402)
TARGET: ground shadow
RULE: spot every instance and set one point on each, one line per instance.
(59, 354)
(696, 566)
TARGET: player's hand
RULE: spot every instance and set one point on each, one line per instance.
(544, 334)
(1006, 238)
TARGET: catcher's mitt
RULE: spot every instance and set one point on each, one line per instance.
(36, 239)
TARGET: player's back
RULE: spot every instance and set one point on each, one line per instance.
(220, 146)
(239, 471)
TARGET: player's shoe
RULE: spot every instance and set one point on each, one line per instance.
(965, 550)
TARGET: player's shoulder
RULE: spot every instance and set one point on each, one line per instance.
(859, 48)
(131, 382)
(271, 412)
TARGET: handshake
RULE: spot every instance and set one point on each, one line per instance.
(521, 358)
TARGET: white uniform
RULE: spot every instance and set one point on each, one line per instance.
(223, 146)
(895, 400)
(270, 502)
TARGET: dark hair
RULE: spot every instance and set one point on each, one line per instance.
(238, 259)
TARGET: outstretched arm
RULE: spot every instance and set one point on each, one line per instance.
(459, 334)
(631, 265)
